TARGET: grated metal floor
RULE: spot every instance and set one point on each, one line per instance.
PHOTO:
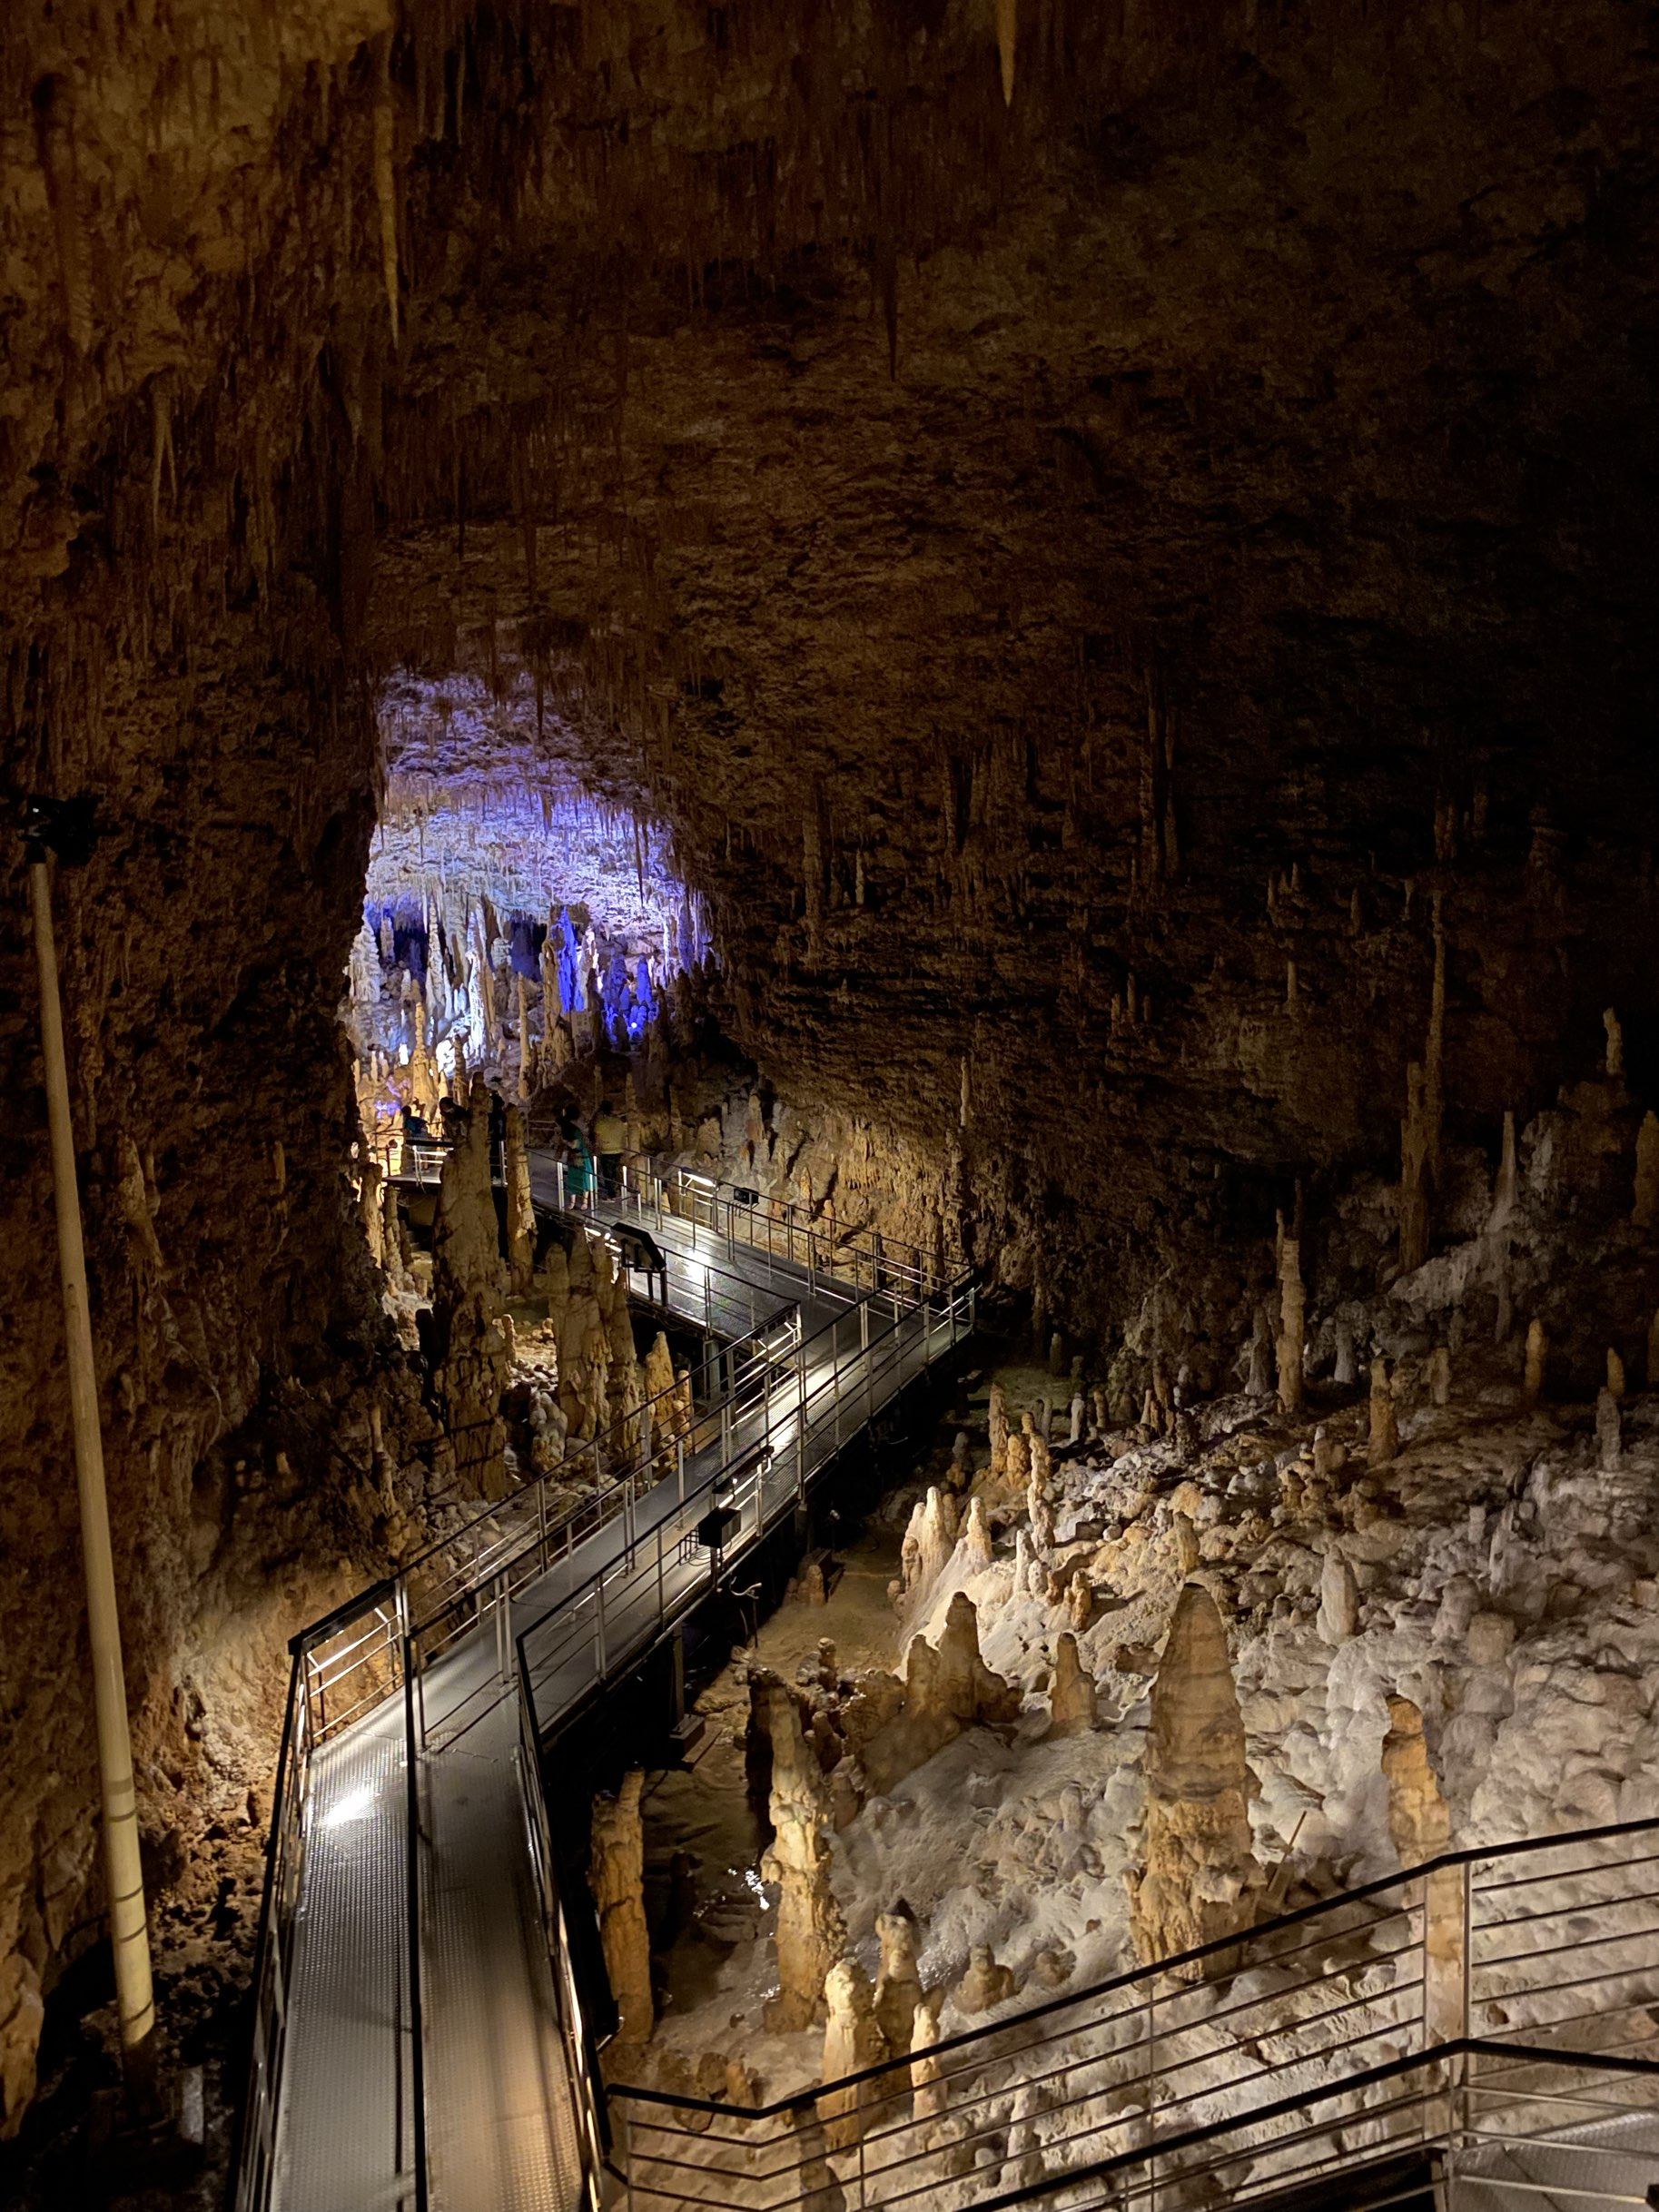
(501, 2116)
(346, 2138)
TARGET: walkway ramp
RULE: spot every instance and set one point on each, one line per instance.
(417, 2038)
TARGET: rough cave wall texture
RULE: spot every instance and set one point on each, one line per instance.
(1171, 529)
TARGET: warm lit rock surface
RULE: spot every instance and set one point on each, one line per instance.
(1084, 583)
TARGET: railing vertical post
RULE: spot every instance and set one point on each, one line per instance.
(1151, 2093)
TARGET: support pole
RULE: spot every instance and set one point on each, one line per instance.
(129, 1935)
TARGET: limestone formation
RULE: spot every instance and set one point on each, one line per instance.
(1645, 1212)
(929, 1541)
(1385, 1438)
(929, 2092)
(1074, 1434)
(852, 2039)
(1615, 1374)
(1200, 1880)
(1293, 1301)
(520, 1212)
(898, 1984)
(1537, 1358)
(997, 1426)
(1260, 1380)
(1440, 1376)
(946, 1689)
(811, 1932)
(1614, 1061)
(374, 1218)
(1609, 1431)
(986, 1983)
(1418, 1821)
(617, 1877)
(1080, 1600)
(974, 1546)
(1071, 1701)
(467, 1350)
(1016, 1460)
(1339, 1599)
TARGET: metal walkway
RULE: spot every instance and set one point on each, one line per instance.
(417, 2037)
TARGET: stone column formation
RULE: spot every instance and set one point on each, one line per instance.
(811, 1932)
(469, 1345)
(617, 1877)
(1200, 1880)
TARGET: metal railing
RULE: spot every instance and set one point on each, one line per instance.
(1425, 2008)
(387, 1639)
(779, 1228)
(806, 1412)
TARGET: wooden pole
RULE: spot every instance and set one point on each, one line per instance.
(129, 1934)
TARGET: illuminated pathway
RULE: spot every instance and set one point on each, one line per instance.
(359, 1996)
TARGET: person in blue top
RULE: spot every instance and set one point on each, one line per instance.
(578, 1163)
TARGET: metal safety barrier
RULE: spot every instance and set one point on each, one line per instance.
(778, 1396)
(1484, 2001)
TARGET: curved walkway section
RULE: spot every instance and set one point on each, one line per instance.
(416, 2041)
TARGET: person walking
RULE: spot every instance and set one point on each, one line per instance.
(609, 1138)
(579, 1165)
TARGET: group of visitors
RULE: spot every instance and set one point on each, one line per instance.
(592, 1165)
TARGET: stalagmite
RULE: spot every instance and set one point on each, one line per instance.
(997, 1424)
(617, 1877)
(1042, 1458)
(1418, 1821)
(1260, 1382)
(974, 1545)
(1338, 1600)
(1645, 1212)
(521, 1211)
(1615, 1374)
(1017, 1460)
(1653, 1351)
(1293, 1301)
(1385, 1439)
(374, 1223)
(1343, 1369)
(1079, 1408)
(526, 1052)
(1420, 1826)
(852, 2039)
(1071, 1700)
(1080, 1600)
(1420, 1131)
(811, 1932)
(1440, 1376)
(929, 1541)
(1200, 1880)
(1537, 1358)
(1615, 1042)
(929, 2093)
(469, 1351)
(987, 1982)
(898, 1984)
(1609, 1434)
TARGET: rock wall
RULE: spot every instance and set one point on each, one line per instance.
(1187, 661)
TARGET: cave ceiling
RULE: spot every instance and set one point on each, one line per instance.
(1177, 525)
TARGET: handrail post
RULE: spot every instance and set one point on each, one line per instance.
(412, 1879)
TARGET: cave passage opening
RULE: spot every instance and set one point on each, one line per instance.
(519, 926)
